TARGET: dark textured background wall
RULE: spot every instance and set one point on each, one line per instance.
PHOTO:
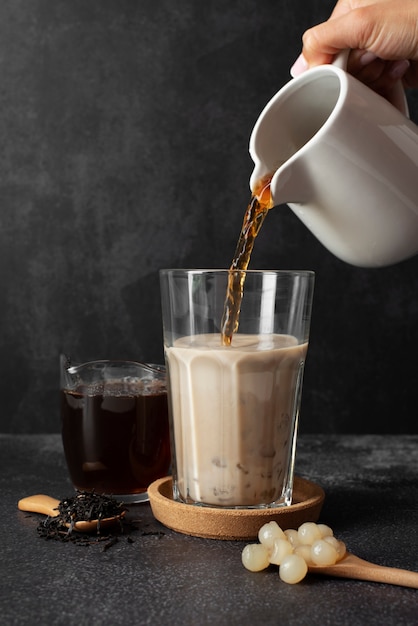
(124, 131)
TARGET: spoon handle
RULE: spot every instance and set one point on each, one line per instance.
(352, 566)
(39, 504)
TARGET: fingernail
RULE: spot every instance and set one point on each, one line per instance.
(299, 66)
(367, 58)
(399, 68)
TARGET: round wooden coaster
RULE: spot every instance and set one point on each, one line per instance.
(214, 523)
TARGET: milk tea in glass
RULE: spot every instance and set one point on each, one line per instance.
(234, 404)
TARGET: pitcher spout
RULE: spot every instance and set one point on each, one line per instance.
(289, 183)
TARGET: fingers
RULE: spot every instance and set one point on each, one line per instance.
(372, 70)
(388, 29)
(355, 30)
(381, 34)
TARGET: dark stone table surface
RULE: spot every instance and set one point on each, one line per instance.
(166, 578)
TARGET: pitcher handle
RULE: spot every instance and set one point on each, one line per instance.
(341, 59)
(399, 97)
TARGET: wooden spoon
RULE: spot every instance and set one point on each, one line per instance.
(49, 506)
(352, 566)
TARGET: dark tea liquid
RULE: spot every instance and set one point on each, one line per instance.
(260, 204)
(116, 442)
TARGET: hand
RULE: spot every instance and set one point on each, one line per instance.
(383, 38)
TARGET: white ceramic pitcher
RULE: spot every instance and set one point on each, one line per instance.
(345, 161)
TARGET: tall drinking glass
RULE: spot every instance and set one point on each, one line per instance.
(234, 408)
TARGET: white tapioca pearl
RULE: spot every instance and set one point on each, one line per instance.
(281, 548)
(305, 553)
(292, 536)
(293, 569)
(308, 533)
(255, 557)
(325, 530)
(323, 553)
(269, 532)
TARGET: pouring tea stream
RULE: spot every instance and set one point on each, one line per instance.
(345, 161)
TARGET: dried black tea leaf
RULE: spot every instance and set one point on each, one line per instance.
(84, 506)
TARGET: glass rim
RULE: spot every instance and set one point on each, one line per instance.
(198, 271)
(98, 363)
